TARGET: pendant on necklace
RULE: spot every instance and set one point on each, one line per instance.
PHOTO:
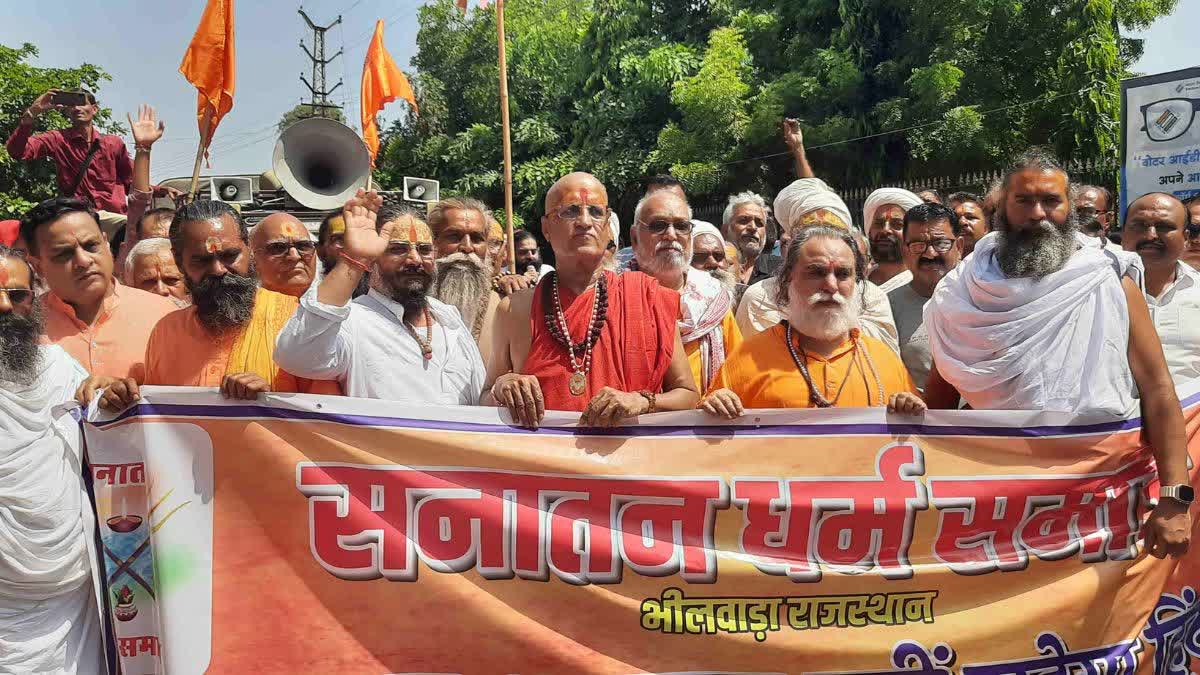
(578, 383)
(427, 352)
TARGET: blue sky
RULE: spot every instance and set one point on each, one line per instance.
(141, 42)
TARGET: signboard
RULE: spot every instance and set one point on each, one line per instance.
(1160, 135)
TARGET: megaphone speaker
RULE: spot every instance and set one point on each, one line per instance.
(232, 190)
(421, 190)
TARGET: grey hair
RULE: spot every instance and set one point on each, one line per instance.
(637, 211)
(145, 247)
(800, 237)
(742, 198)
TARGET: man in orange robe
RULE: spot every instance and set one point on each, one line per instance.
(226, 339)
(619, 353)
(817, 358)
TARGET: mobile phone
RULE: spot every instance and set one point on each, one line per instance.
(69, 98)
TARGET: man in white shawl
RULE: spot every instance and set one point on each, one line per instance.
(883, 220)
(664, 230)
(49, 605)
(1035, 320)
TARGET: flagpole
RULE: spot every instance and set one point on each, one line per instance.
(505, 136)
(203, 145)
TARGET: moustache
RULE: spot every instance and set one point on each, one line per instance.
(669, 246)
(819, 297)
(930, 262)
(1158, 245)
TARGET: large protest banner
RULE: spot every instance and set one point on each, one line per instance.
(318, 534)
(1160, 136)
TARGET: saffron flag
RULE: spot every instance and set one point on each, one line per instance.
(209, 64)
(326, 534)
(382, 83)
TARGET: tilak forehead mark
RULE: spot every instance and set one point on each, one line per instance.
(3, 271)
(293, 229)
(212, 245)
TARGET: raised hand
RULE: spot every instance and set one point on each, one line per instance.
(42, 103)
(361, 240)
(792, 135)
(147, 129)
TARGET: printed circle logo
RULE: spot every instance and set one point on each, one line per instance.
(1169, 118)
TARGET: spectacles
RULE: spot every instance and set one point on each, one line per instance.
(1161, 229)
(575, 212)
(17, 296)
(939, 245)
(278, 249)
(403, 248)
(1169, 118)
(1088, 213)
(701, 257)
(660, 225)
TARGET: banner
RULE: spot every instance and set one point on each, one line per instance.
(322, 534)
(1160, 137)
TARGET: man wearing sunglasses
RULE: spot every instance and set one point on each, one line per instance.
(51, 620)
(105, 326)
(586, 339)
(1191, 251)
(226, 338)
(1093, 209)
(284, 253)
(396, 342)
(933, 246)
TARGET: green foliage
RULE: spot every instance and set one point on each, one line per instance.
(304, 111)
(885, 89)
(22, 184)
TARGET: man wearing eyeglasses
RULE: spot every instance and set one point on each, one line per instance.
(1093, 209)
(933, 246)
(225, 339)
(284, 254)
(1155, 228)
(105, 326)
(586, 339)
(396, 342)
(1191, 251)
(51, 620)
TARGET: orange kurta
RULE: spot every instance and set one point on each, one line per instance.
(731, 335)
(115, 344)
(763, 375)
(181, 353)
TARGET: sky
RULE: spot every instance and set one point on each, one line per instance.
(141, 42)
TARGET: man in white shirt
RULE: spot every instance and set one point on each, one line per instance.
(395, 342)
(1093, 208)
(1154, 228)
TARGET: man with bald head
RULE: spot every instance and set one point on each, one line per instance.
(662, 244)
(586, 339)
(1156, 228)
(285, 254)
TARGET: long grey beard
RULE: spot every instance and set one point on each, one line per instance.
(462, 280)
(20, 356)
(224, 303)
(1034, 253)
(727, 279)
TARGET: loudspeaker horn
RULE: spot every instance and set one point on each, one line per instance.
(231, 189)
(321, 163)
(421, 190)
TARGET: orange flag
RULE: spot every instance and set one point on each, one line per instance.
(382, 83)
(209, 65)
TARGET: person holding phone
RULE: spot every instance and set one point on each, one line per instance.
(91, 166)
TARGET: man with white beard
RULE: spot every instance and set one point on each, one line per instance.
(663, 248)
(817, 357)
(49, 605)
(711, 254)
(1037, 319)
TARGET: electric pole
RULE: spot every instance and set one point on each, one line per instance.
(320, 95)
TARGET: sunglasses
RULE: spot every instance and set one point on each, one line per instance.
(17, 296)
(939, 245)
(701, 257)
(403, 248)
(575, 212)
(278, 249)
(659, 226)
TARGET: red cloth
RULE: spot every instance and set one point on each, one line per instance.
(634, 348)
(108, 176)
(9, 231)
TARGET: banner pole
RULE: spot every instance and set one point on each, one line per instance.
(203, 145)
(505, 136)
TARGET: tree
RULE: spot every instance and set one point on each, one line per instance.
(23, 184)
(306, 110)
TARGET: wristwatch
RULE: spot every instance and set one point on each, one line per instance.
(1184, 494)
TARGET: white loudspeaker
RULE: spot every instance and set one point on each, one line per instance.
(420, 190)
(231, 190)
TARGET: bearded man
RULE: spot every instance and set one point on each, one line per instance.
(225, 339)
(710, 254)
(284, 254)
(745, 225)
(816, 358)
(663, 223)
(529, 256)
(586, 339)
(395, 342)
(883, 218)
(51, 620)
(1036, 319)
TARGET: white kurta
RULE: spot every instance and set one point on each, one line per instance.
(49, 621)
(365, 347)
(1176, 314)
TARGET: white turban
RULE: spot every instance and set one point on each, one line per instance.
(614, 224)
(884, 196)
(700, 227)
(805, 197)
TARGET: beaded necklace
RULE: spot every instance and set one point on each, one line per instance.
(427, 343)
(814, 394)
(580, 353)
